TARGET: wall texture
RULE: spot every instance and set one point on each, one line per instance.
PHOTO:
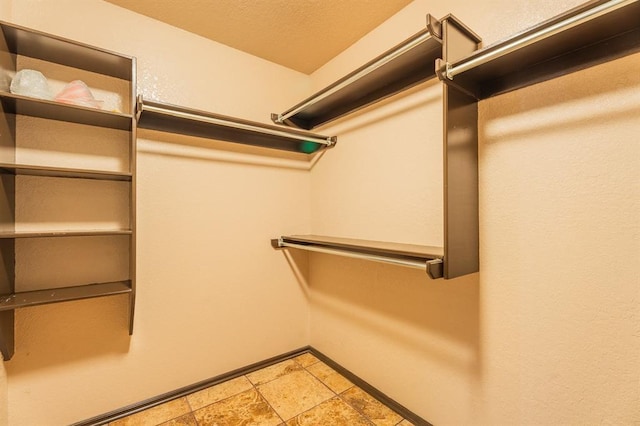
(212, 293)
(548, 331)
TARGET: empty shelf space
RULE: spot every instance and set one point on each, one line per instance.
(69, 233)
(35, 44)
(23, 105)
(415, 256)
(192, 122)
(63, 172)
(65, 294)
(403, 66)
(590, 34)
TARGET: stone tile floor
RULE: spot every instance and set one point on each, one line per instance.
(299, 391)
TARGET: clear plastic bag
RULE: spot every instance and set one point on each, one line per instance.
(31, 83)
(78, 93)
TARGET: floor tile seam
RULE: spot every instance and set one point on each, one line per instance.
(170, 419)
(334, 395)
(356, 408)
(220, 400)
(322, 381)
(255, 387)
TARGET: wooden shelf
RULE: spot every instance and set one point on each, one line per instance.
(187, 121)
(23, 105)
(63, 172)
(405, 65)
(65, 294)
(47, 47)
(68, 233)
(426, 258)
(612, 31)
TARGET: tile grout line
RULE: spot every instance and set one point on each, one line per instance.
(266, 400)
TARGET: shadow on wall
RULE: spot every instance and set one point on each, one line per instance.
(563, 105)
(196, 148)
(397, 305)
(53, 335)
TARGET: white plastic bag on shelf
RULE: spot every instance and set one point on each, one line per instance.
(5, 81)
(30, 83)
(78, 93)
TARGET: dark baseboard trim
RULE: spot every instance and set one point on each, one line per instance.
(111, 416)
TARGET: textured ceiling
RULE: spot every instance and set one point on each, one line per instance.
(299, 34)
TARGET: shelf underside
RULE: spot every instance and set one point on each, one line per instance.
(68, 233)
(23, 105)
(36, 44)
(406, 70)
(604, 38)
(65, 294)
(62, 172)
(192, 122)
(428, 259)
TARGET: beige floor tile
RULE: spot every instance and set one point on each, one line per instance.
(186, 420)
(306, 359)
(156, 415)
(272, 372)
(334, 412)
(218, 392)
(246, 408)
(405, 422)
(295, 393)
(375, 411)
(334, 380)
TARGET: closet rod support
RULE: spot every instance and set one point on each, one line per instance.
(451, 71)
(280, 118)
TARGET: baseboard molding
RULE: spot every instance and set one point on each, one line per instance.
(105, 418)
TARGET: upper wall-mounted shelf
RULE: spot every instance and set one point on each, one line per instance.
(23, 105)
(598, 31)
(405, 65)
(192, 122)
(47, 47)
(63, 172)
(428, 259)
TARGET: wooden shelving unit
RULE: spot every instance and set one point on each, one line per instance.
(409, 63)
(17, 42)
(598, 31)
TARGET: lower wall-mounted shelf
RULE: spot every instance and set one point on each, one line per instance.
(65, 294)
(426, 258)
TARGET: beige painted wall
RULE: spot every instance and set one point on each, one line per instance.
(547, 332)
(212, 293)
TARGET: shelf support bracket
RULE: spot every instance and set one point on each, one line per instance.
(461, 224)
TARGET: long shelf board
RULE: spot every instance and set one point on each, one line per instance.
(63, 172)
(412, 67)
(36, 44)
(65, 294)
(24, 105)
(605, 37)
(69, 233)
(192, 122)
